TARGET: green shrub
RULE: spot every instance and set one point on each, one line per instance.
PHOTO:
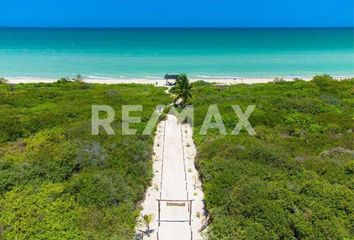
(41, 212)
(277, 184)
(64, 80)
(59, 181)
(3, 80)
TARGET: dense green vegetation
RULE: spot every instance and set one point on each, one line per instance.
(57, 181)
(3, 80)
(295, 178)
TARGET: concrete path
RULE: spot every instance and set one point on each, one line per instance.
(175, 183)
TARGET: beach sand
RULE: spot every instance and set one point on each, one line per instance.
(161, 82)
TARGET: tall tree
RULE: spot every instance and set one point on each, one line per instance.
(183, 90)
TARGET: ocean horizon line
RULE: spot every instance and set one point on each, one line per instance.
(176, 28)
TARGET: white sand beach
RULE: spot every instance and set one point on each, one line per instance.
(161, 82)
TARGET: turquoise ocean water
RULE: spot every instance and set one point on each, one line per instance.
(129, 53)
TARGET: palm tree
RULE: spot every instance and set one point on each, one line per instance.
(182, 89)
(78, 78)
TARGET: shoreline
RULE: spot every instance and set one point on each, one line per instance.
(161, 81)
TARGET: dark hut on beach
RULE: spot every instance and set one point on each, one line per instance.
(171, 77)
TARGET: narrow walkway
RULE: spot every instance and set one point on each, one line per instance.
(176, 184)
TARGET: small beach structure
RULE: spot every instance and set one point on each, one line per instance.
(171, 77)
